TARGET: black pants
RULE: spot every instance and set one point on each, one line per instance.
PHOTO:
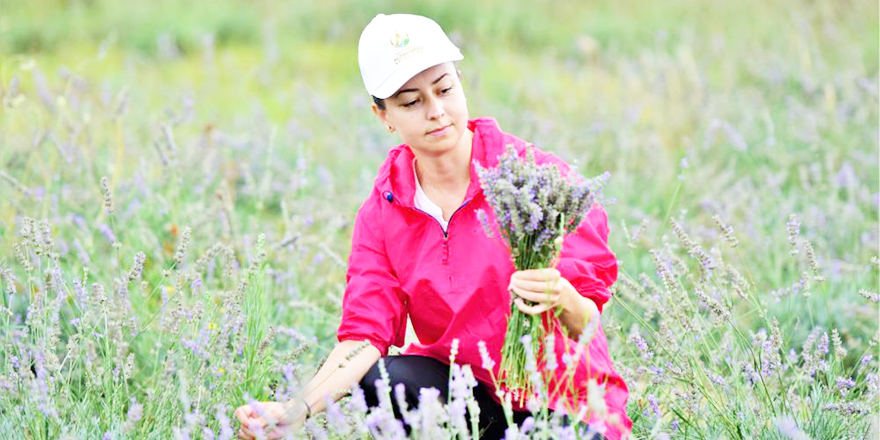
(417, 372)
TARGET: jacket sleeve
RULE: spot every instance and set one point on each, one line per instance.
(586, 261)
(373, 307)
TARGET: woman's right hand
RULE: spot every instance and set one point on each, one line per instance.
(257, 417)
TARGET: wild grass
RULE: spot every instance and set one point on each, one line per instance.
(237, 143)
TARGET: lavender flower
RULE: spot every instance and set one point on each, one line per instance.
(336, 418)
(511, 433)
(484, 221)
(551, 363)
(642, 345)
(789, 429)
(727, 230)
(137, 267)
(844, 384)
(822, 347)
(794, 229)
(134, 414)
(317, 432)
(182, 247)
(487, 362)
(533, 405)
(694, 250)
(108, 195)
(358, 402)
(453, 351)
(108, 234)
(226, 432)
(431, 413)
(653, 408)
(533, 205)
(870, 296)
(596, 399)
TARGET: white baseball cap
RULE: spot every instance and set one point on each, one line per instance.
(395, 48)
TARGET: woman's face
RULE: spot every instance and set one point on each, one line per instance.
(429, 112)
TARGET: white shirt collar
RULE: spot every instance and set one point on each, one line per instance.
(424, 204)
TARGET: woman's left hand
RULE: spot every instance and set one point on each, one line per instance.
(544, 289)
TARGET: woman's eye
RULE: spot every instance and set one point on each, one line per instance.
(411, 103)
(446, 90)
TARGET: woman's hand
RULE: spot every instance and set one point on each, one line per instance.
(257, 418)
(544, 289)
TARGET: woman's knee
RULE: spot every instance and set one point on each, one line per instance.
(368, 384)
(414, 372)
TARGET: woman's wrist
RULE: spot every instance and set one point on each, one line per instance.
(577, 311)
(299, 409)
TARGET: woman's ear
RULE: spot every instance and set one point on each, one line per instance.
(383, 117)
(381, 114)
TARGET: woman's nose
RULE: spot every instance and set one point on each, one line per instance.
(434, 108)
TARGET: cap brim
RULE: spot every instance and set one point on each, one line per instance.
(394, 82)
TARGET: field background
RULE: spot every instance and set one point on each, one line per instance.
(240, 118)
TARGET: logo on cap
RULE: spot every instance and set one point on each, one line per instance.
(399, 39)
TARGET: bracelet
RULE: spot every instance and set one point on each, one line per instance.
(308, 409)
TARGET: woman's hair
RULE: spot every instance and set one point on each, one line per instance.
(381, 102)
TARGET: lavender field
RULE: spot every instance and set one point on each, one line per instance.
(179, 180)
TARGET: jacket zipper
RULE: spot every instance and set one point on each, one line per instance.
(445, 232)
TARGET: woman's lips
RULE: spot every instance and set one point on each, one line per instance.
(440, 131)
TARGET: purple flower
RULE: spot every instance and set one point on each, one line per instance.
(567, 359)
(135, 411)
(654, 408)
(137, 267)
(642, 345)
(484, 221)
(598, 427)
(794, 229)
(823, 344)
(789, 429)
(487, 362)
(511, 433)
(751, 376)
(846, 177)
(335, 417)
(107, 233)
(870, 296)
(844, 384)
(226, 432)
(196, 285)
(527, 425)
(549, 345)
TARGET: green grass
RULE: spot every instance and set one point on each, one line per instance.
(771, 103)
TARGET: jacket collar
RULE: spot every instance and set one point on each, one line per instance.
(395, 181)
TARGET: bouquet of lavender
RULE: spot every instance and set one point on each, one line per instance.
(534, 206)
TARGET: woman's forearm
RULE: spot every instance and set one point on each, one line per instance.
(577, 312)
(338, 373)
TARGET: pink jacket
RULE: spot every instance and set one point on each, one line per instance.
(454, 285)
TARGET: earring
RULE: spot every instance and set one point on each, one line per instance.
(390, 129)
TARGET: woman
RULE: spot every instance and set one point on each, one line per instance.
(418, 250)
